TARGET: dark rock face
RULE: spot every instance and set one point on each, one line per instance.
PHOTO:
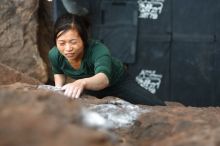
(45, 32)
(18, 46)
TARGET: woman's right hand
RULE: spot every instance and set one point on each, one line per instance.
(75, 89)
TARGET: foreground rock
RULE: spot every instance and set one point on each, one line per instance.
(32, 116)
(178, 126)
(18, 45)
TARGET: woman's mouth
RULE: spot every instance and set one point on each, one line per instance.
(69, 55)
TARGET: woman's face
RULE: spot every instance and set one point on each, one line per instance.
(70, 44)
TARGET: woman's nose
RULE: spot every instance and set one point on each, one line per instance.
(68, 47)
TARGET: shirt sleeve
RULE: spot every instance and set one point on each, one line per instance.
(102, 60)
(54, 61)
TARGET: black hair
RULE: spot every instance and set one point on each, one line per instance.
(68, 21)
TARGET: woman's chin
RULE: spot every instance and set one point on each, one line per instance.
(70, 56)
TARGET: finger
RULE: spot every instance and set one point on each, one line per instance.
(68, 92)
(74, 92)
(78, 93)
(63, 87)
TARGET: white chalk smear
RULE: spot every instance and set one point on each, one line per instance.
(51, 88)
(115, 114)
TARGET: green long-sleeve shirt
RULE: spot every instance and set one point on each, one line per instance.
(97, 59)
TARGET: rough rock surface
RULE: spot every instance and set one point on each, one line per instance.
(39, 118)
(10, 76)
(32, 116)
(18, 29)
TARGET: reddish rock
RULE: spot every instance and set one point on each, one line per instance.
(32, 116)
(41, 118)
(18, 46)
(173, 125)
(10, 76)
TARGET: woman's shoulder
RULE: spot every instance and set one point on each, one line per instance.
(54, 54)
(96, 45)
(54, 51)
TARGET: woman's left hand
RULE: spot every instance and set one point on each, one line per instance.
(74, 90)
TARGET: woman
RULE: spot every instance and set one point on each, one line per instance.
(89, 62)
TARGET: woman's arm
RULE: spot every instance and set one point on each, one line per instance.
(59, 80)
(96, 82)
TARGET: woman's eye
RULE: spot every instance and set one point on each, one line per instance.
(73, 42)
(61, 44)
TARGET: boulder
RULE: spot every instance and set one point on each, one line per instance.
(18, 34)
(177, 126)
(31, 116)
(10, 76)
(41, 118)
